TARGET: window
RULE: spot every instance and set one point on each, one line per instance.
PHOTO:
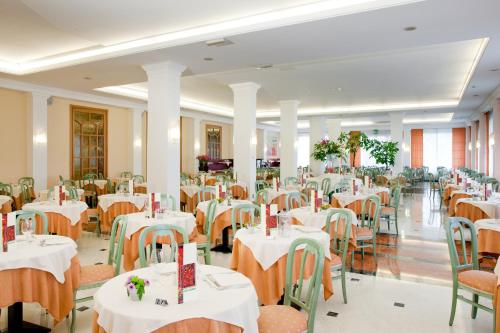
(88, 141)
(303, 150)
(214, 134)
(437, 148)
(366, 158)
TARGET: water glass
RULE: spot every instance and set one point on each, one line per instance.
(27, 228)
(284, 225)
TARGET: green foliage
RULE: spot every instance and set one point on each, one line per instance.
(326, 148)
(384, 152)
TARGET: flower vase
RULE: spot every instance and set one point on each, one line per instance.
(132, 294)
(329, 164)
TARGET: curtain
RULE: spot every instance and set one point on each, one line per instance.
(437, 148)
(458, 150)
(417, 148)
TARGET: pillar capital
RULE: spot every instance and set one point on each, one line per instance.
(245, 87)
(289, 103)
(166, 67)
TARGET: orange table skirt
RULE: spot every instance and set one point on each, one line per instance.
(270, 283)
(6, 207)
(30, 285)
(453, 201)
(488, 241)
(131, 246)
(185, 326)
(61, 225)
(190, 203)
(469, 211)
(118, 208)
(221, 222)
(239, 192)
(141, 189)
(356, 206)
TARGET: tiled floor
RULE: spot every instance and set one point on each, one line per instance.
(407, 290)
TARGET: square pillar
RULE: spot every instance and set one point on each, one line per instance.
(288, 137)
(482, 142)
(496, 139)
(137, 141)
(37, 139)
(397, 136)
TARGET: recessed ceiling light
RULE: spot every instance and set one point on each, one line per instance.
(410, 28)
(495, 70)
(208, 59)
(476, 95)
(218, 42)
(265, 66)
(473, 86)
(87, 78)
(339, 89)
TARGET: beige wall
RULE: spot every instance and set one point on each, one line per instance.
(187, 149)
(13, 133)
(58, 139)
(226, 139)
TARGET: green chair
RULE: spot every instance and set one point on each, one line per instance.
(293, 200)
(27, 180)
(168, 200)
(25, 193)
(222, 179)
(390, 213)
(325, 185)
(126, 175)
(205, 194)
(90, 189)
(69, 182)
(138, 179)
(369, 226)
(32, 214)
(90, 176)
(204, 241)
(262, 197)
(465, 268)
(260, 185)
(122, 187)
(241, 211)
(291, 181)
(6, 189)
(94, 276)
(100, 176)
(277, 318)
(339, 244)
(312, 185)
(160, 230)
(443, 181)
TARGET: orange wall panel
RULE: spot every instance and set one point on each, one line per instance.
(417, 148)
(458, 147)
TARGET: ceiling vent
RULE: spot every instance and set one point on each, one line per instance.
(218, 42)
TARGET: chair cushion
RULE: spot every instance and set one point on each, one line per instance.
(201, 239)
(96, 273)
(364, 233)
(387, 210)
(281, 319)
(480, 280)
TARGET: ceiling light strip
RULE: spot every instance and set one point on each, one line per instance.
(472, 69)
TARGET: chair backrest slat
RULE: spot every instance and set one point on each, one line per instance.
(457, 227)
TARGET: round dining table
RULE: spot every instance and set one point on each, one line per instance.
(64, 220)
(44, 270)
(5, 204)
(227, 306)
(263, 260)
(136, 222)
(111, 205)
(488, 236)
(477, 209)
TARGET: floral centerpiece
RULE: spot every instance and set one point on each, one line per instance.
(203, 162)
(326, 150)
(136, 287)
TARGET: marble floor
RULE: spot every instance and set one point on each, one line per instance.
(407, 289)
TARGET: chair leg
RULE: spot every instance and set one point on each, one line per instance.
(344, 289)
(208, 259)
(389, 224)
(375, 248)
(396, 222)
(475, 299)
(453, 304)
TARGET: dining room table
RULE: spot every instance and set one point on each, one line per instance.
(6, 204)
(454, 196)
(110, 206)
(448, 189)
(279, 196)
(228, 305)
(488, 236)
(475, 209)
(43, 269)
(263, 259)
(43, 195)
(66, 219)
(136, 222)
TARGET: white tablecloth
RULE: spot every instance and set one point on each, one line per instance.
(268, 250)
(69, 209)
(490, 208)
(222, 207)
(136, 221)
(138, 199)
(101, 183)
(4, 199)
(272, 194)
(55, 259)
(345, 199)
(190, 190)
(488, 224)
(43, 194)
(118, 314)
(373, 190)
(317, 220)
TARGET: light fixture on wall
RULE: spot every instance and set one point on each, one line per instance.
(478, 145)
(492, 140)
(174, 133)
(470, 146)
(405, 147)
(254, 140)
(197, 146)
(138, 143)
(40, 139)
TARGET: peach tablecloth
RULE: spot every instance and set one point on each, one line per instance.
(29, 285)
(118, 208)
(488, 241)
(185, 326)
(473, 213)
(239, 192)
(447, 192)
(221, 222)
(141, 189)
(453, 202)
(6, 207)
(61, 225)
(270, 283)
(356, 206)
(191, 202)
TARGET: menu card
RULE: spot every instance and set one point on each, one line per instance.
(275, 184)
(186, 273)
(221, 189)
(268, 217)
(7, 230)
(59, 194)
(131, 186)
(154, 204)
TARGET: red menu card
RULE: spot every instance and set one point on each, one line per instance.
(7, 230)
(186, 272)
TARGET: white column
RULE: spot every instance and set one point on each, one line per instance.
(407, 147)
(334, 128)
(164, 127)
(245, 137)
(316, 134)
(288, 137)
(137, 141)
(473, 136)
(496, 138)
(397, 135)
(37, 139)
(482, 142)
(467, 145)
(264, 144)
(197, 141)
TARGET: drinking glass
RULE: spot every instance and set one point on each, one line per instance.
(283, 225)
(27, 229)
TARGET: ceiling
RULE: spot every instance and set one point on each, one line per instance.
(367, 53)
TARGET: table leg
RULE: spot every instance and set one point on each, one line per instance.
(16, 323)
(224, 247)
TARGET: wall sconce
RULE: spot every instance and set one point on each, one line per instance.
(174, 134)
(470, 146)
(478, 145)
(197, 146)
(492, 140)
(254, 140)
(137, 143)
(40, 139)
(405, 147)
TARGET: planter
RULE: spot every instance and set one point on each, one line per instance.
(132, 294)
(203, 166)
